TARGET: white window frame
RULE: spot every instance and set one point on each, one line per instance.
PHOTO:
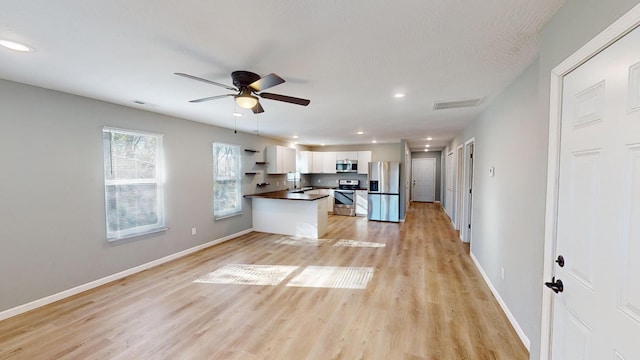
(237, 178)
(160, 225)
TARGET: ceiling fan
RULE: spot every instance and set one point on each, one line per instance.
(247, 86)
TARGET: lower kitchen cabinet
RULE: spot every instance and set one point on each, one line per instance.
(362, 202)
(329, 198)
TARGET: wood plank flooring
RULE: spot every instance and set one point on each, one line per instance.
(425, 300)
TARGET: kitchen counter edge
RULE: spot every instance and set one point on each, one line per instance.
(286, 195)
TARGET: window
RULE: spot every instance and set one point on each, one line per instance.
(133, 187)
(227, 180)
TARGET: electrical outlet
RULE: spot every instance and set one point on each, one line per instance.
(194, 231)
(502, 273)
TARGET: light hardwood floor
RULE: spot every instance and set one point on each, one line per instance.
(425, 300)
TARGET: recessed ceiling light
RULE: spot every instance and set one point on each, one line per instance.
(15, 46)
(374, 141)
(321, 144)
(426, 150)
(360, 132)
(427, 145)
(399, 95)
(429, 138)
(295, 136)
(237, 114)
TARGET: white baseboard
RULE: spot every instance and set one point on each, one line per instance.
(107, 279)
(503, 305)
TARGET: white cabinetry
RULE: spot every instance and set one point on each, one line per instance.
(324, 192)
(362, 202)
(364, 157)
(329, 163)
(305, 162)
(317, 162)
(280, 159)
(324, 162)
(330, 201)
(347, 155)
(330, 198)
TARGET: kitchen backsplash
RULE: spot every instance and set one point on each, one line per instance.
(332, 179)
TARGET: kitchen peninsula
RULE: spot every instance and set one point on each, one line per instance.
(290, 213)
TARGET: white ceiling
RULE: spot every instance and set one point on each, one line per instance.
(348, 57)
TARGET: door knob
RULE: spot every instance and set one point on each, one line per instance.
(555, 285)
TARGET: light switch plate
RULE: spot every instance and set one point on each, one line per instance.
(492, 171)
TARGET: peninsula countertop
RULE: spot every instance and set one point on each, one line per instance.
(286, 195)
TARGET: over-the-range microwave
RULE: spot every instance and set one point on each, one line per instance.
(347, 166)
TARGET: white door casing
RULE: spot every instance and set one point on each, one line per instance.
(593, 201)
(467, 205)
(459, 187)
(424, 179)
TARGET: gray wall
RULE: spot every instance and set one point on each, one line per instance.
(512, 135)
(431, 155)
(52, 236)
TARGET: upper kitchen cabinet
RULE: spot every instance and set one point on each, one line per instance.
(317, 162)
(305, 162)
(347, 155)
(280, 159)
(328, 162)
(364, 158)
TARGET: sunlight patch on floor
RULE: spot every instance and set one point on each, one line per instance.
(300, 241)
(248, 274)
(357, 243)
(333, 277)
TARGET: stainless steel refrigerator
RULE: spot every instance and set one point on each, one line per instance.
(384, 191)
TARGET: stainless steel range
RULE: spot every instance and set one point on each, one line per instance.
(344, 197)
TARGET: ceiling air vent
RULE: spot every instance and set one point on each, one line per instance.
(144, 103)
(456, 104)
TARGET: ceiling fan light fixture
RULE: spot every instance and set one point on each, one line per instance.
(246, 100)
(15, 45)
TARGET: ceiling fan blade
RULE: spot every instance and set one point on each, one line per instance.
(207, 81)
(289, 99)
(257, 109)
(266, 82)
(210, 98)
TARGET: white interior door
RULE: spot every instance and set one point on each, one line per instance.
(597, 316)
(424, 180)
(448, 205)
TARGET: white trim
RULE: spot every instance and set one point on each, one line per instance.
(459, 187)
(467, 209)
(131, 132)
(523, 337)
(107, 279)
(611, 34)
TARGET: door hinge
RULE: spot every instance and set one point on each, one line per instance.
(469, 226)
(472, 156)
(469, 191)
